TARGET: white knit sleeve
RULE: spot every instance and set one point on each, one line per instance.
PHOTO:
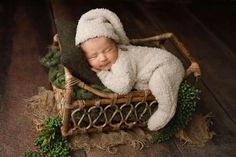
(121, 77)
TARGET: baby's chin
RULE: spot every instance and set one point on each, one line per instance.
(106, 68)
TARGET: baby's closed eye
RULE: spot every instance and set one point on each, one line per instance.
(92, 56)
(108, 50)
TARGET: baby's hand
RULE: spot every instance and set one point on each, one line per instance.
(95, 70)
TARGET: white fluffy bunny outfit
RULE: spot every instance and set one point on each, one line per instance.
(136, 67)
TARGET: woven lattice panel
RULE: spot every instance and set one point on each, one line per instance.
(112, 116)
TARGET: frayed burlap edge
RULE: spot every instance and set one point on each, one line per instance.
(109, 141)
(43, 106)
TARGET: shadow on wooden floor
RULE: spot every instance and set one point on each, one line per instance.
(208, 30)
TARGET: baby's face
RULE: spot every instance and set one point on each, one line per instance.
(101, 52)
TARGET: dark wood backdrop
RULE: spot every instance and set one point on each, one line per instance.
(206, 27)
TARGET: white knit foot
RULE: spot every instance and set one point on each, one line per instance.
(158, 120)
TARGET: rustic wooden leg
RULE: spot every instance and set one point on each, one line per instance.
(68, 101)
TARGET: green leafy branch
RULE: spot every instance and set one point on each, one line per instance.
(50, 142)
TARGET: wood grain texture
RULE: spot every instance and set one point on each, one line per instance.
(217, 67)
(22, 44)
(217, 64)
(27, 28)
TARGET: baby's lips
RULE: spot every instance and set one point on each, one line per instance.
(105, 65)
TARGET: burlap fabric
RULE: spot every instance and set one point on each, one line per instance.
(42, 106)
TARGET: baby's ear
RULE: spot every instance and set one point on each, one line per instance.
(72, 56)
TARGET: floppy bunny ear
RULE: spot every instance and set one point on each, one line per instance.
(100, 22)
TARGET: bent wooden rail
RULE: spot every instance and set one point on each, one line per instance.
(70, 127)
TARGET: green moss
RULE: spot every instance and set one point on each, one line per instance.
(57, 75)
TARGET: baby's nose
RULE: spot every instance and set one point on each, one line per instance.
(103, 57)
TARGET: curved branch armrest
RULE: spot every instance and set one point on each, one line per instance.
(70, 80)
(194, 66)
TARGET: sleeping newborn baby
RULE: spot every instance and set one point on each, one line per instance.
(122, 67)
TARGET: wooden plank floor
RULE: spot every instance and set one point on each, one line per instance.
(25, 33)
(208, 33)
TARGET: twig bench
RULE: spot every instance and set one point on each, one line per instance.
(69, 109)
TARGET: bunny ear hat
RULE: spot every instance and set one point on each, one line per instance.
(100, 22)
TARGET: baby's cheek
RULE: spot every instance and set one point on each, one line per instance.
(113, 59)
(92, 64)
